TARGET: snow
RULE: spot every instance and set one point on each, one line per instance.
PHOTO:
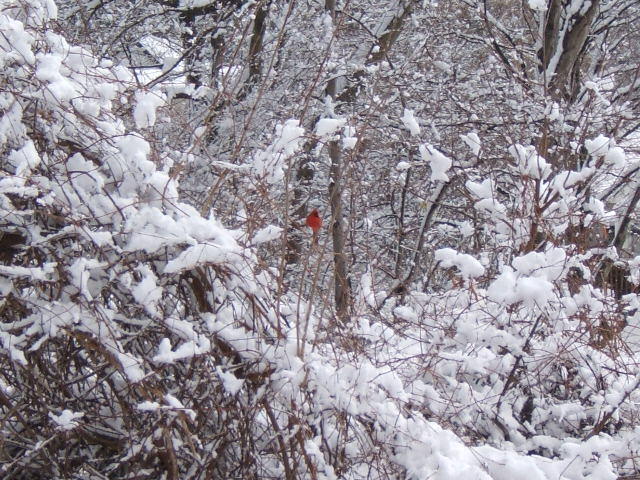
(147, 292)
(185, 351)
(67, 420)
(602, 146)
(176, 404)
(118, 297)
(597, 146)
(326, 127)
(589, 85)
(443, 66)
(43, 273)
(25, 159)
(405, 313)
(230, 382)
(466, 229)
(269, 164)
(510, 288)
(410, 122)
(616, 157)
(195, 3)
(80, 271)
(172, 404)
(473, 142)
(201, 254)
(550, 264)
(366, 292)
(539, 5)
(484, 189)
(59, 87)
(440, 164)
(16, 42)
(266, 234)
(151, 229)
(529, 162)
(349, 138)
(148, 406)
(144, 113)
(554, 112)
(135, 151)
(11, 344)
(468, 266)
(131, 365)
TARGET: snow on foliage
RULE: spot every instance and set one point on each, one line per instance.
(469, 267)
(529, 162)
(144, 112)
(141, 337)
(270, 164)
(439, 163)
(473, 142)
(540, 5)
(66, 420)
(326, 127)
(410, 122)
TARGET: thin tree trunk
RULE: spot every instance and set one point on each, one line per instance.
(563, 47)
(257, 40)
(342, 291)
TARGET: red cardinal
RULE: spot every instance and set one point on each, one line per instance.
(314, 222)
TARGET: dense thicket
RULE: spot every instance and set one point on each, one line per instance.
(469, 309)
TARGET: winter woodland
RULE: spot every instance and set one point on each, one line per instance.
(470, 308)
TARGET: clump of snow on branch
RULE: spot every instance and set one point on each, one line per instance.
(327, 127)
(270, 164)
(147, 103)
(439, 163)
(67, 419)
(468, 266)
(410, 122)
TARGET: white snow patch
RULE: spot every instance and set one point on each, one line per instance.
(186, 350)
(349, 139)
(440, 164)
(473, 142)
(15, 41)
(529, 163)
(480, 190)
(539, 5)
(148, 406)
(200, 254)
(469, 267)
(269, 164)
(598, 146)
(328, 126)
(511, 288)
(147, 292)
(267, 234)
(175, 404)
(67, 420)
(230, 382)
(25, 159)
(410, 122)
(147, 103)
(80, 272)
(616, 157)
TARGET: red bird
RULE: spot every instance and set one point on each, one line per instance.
(314, 221)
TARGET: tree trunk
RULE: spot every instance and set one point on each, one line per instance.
(342, 291)
(257, 40)
(563, 48)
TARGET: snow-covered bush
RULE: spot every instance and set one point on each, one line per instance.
(129, 321)
(140, 338)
